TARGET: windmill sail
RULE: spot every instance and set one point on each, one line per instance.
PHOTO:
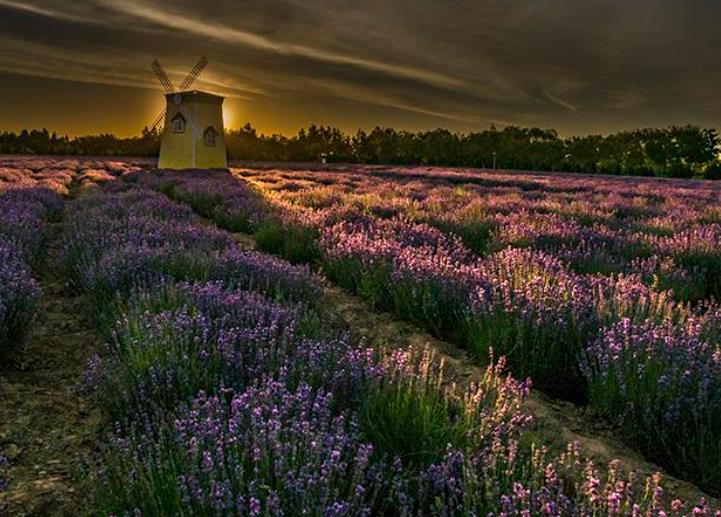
(194, 73)
(163, 77)
(160, 119)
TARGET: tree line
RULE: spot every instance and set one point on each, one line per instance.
(43, 142)
(677, 151)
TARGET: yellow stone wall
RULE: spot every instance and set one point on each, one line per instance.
(185, 150)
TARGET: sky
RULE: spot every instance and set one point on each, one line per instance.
(579, 66)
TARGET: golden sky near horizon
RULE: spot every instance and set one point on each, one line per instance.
(597, 66)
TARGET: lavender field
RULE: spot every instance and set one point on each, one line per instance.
(217, 376)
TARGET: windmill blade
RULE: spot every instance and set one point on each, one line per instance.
(194, 73)
(193, 125)
(163, 77)
(158, 120)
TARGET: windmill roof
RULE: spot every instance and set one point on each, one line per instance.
(195, 94)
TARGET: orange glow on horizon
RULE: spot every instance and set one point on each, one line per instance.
(228, 117)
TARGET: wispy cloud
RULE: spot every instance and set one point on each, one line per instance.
(557, 100)
(369, 96)
(39, 60)
(22, 6)
(51, 12)
(187, 23)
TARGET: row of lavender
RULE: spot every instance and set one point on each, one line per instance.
(58, 174)
(31, 193)
(233, 398)
(29, 201)
(24, 217)
(644, 360)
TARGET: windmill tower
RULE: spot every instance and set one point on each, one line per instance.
(192, 135)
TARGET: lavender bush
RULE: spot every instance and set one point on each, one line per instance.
(135, 239)
(25, 217)
(268, 450)
(25, 213)
(162, 357)
(19, 294)
(138, 239)
(275, 278)
(409, 415)
(662, 384)
(238, 208)
(513, 483)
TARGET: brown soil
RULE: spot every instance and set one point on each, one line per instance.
(46, 430)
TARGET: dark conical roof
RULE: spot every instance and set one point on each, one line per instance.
(190, 95)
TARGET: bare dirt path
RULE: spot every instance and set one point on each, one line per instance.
(46, 430)
(556, 423)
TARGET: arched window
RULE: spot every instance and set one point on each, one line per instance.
(209, 136)
(178, 123)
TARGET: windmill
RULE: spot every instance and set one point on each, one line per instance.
(192, 136)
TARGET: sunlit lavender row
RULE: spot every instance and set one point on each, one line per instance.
(665, 231)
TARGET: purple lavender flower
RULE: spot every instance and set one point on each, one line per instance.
(19, 294)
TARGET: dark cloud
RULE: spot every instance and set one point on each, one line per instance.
(597, 65)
